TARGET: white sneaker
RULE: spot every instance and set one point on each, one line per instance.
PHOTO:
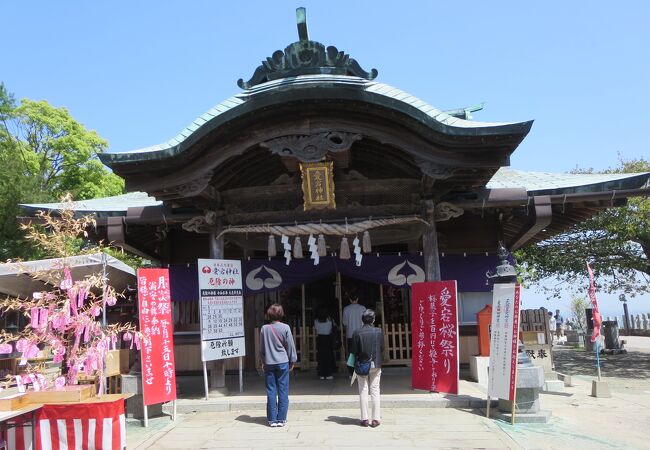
(273, 424)
(281, 423)
(321, 378)
(329, 378)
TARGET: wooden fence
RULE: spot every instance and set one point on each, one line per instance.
(397, 346)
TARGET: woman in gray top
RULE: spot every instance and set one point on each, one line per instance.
(278, 355)
(368, 344)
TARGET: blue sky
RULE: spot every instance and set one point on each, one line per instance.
(139, 72)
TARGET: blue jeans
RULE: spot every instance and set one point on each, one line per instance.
(276, 377)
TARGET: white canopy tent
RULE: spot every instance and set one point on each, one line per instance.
(16, 281)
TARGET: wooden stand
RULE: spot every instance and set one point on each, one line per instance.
(13, 402)
(67, 394)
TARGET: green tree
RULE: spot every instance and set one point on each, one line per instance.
(13, 187)
(616, 243)
(578, 306)
(44, 154)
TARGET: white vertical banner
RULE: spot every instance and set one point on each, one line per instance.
(504, 340)
(222, 309)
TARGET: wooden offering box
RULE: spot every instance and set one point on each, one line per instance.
(117, 361)
(13, 402)
(68, 394)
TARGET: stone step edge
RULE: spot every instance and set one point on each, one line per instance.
(202, 406)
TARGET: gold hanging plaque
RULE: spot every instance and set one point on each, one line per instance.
(318, 185)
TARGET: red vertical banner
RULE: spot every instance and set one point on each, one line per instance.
(158, 370)
(434, 332)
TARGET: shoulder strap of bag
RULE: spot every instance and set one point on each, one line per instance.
(278, 337)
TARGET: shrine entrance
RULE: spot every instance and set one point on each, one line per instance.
(382, 281)
(302, 304)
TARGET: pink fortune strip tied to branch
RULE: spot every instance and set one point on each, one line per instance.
(66, 283)
(42, 318)
(59, 383)
(34, 317)
(81, 296)
(109, 296)
(6, 348)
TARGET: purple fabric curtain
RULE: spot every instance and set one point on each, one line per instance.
(469, 271)
(264, 275)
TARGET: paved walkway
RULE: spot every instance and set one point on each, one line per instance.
(578, 420)
(308, 392)
(329, 429)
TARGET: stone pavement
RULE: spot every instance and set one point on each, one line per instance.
(329, 429)
(308, 392)
(578, 420)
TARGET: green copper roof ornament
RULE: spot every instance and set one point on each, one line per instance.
(305, 57)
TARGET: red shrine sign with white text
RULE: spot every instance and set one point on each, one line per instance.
(158, 369)
(434, 337)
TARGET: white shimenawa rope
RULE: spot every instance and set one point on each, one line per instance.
(330, 229)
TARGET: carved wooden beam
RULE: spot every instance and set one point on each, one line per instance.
(311, 148)
(299, 215)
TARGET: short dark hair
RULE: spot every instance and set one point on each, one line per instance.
(275, 312)
(368, 317)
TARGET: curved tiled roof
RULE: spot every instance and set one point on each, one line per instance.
(545, 181)
(377, 93)
(115, 204)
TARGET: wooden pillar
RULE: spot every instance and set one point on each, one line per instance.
(384, 327)
(218, 367)
(339, 295)
(430, 243)
(304, 341)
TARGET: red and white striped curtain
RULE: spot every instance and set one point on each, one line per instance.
(85, 426)
(19, 435)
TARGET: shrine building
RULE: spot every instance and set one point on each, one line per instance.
(390, 189)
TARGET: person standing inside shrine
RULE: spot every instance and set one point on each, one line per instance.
(278, 356)
(559, 324)
(324, 327)
(352, 321)
(368, 345)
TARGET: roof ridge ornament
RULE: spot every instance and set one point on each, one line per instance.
(305, 57)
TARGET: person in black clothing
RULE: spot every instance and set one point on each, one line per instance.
(368, 344)
(324, 327)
